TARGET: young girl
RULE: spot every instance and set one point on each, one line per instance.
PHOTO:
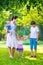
(20, 46)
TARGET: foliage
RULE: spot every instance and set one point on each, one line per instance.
(5, 60)
(26, 10)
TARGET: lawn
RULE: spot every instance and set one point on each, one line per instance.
(5, 60)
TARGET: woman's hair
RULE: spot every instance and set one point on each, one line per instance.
(33, 23)
(14, 17)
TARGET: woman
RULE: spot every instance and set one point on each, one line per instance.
(11, 37)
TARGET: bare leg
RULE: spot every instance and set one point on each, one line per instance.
(35, 52)
(18, 54)
(9, 49)
(22, 54)
(31, 53)
(12, 52)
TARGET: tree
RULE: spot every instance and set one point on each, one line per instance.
(26, 10)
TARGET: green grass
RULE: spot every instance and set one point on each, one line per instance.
(5, 60)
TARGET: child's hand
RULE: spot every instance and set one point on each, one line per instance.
(25, 37)
(17, 38)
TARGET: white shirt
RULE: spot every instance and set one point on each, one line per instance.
(13, 26)
(33, 32)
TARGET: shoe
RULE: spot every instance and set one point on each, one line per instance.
(31, 56)
(34, 56)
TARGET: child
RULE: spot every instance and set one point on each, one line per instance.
(33, 38)
(8, 27)
(20, 46)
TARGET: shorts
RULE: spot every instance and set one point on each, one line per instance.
(33, 44)
(20, 48)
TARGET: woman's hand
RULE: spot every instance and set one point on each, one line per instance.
(8, 31)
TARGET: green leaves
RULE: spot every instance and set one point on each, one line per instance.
(26, 10)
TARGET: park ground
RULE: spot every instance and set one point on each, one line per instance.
(5, 60)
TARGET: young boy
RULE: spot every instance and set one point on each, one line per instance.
(34, 31)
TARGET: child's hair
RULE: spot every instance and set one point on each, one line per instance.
(33, 23)
(14, 17)
(20, 36)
